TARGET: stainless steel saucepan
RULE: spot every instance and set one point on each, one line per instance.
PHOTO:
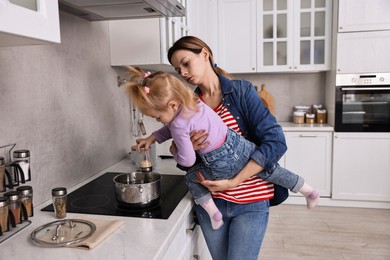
(137, 189)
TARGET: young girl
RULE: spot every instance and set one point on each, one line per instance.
(165, 98)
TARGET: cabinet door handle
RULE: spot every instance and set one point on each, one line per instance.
(303, 135)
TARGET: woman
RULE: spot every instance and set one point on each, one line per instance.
(236, 101)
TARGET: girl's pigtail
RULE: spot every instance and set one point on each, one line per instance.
(136, 88)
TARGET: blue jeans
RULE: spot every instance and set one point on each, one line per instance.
(222, 163)
(242, 233)
(227, 161)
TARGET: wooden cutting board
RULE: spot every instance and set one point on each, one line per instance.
(267, 98)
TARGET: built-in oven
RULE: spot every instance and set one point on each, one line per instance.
(362, 103)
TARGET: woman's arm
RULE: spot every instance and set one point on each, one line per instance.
(252, 168)
(248, 171)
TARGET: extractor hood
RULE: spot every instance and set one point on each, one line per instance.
(101, 10)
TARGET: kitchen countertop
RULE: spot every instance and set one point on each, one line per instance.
(291, 127)
(137, 238)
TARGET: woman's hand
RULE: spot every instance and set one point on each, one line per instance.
(173, 148)
(250, 169)
(220, 185)
(198, 139)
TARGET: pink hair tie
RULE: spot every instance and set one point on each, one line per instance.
(146, 89)
(147, 74)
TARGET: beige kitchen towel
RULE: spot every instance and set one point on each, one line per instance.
(104, 228)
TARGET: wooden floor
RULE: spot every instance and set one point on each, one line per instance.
(330, 233)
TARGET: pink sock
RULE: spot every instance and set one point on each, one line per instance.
(312, 199)
(214, 213)
(311, 195)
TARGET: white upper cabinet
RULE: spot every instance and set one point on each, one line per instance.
(203, 23)
(237, 35)
(363, 36)
(274, 35)
(294, 35)
(29, 22)
(145, 42)
(363, 15)
(366, 52)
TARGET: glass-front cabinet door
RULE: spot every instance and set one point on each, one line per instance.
(293, 35)
(312, 26)
(28, 22)
(275, 35)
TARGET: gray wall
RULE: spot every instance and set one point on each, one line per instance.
(290, 89)
(62, 103)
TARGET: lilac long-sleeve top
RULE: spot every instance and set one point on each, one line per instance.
(186, 121)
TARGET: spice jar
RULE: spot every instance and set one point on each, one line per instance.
(321, 116)
(14, 205)
(3, 214)
(22, 159)
(299, 117)
(2, 174)
(310, 118)
(144, 161)
(59, 201)
(26, 197)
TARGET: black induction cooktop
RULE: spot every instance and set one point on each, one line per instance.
(98, 197)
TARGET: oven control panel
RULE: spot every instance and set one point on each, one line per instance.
(362, 79)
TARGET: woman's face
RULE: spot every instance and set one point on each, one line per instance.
(191, 66)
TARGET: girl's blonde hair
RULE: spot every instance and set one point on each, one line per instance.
(153, 91)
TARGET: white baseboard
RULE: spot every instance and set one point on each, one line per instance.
(297, 200)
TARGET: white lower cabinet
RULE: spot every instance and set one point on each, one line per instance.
(201, 252)
(309, 155)
(188, 243)
(361, 166)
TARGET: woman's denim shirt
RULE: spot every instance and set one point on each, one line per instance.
(255, 121)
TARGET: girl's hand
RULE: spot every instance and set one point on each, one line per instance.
(220, 185)
(145, 142)
(198, 139)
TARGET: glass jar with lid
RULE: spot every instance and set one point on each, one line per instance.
(22, 161)
(144, 161)
(59, 201)
(310, 118)
(299, 117)
(26, 197)
(2, 174)
(14, 205)
(3, 214)
(321, 116)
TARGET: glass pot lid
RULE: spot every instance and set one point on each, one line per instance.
(63, 232)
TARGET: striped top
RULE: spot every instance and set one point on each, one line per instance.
(253, 189)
